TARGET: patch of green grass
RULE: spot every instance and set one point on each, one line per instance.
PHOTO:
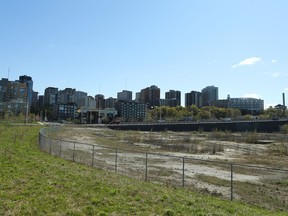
(283, 182)
(35, 183)
(272, 196)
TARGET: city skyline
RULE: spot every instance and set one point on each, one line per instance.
(106, 47)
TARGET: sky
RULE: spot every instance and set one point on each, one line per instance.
(106, 46)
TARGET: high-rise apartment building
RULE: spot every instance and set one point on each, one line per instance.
(110, 102)
(193, 98)
(29, 84)
(13, 97)
(100, 101)
(124, 95)
(137, 96)
(150, 96)
(50, 96)
(35, 103)
(131, 111)
(174, 98)
(81, 98)
(209, 94)
(66, 96)
(3, 93)
(91, 102)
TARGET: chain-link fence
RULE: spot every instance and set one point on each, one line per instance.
(266, 187)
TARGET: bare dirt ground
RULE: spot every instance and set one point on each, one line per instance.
(208, 158)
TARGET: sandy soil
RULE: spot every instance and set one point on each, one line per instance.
(204, 156)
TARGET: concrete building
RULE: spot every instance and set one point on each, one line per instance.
(209, 94)
(66, 111)
(27, 80)
(13, 97)
(66, 96)
(251, 106)
(110, 102)
(3, 95)
(131, 111)
(124, 95)
(41, 101)
(137, 97)
(35, 103)
(50, 96)
(100, 101)
(81, 98)
(91, 102)
(193, 98)
(96, 116)
(150, 96)
(174, 98)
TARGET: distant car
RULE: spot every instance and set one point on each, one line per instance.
(227, 119)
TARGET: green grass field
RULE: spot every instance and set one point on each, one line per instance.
(35, 183)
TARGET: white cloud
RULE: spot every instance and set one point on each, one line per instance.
(274, 61)
(251, 95)
(275, 74)
(286, 89)
(248, 61)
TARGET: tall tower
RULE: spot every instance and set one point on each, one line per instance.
(174, 95)
(29, 84)
(209, 94)
(193, 98)
(124, 95)
(50, 96)
(150, 96)
(283, 96)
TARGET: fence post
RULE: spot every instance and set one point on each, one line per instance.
(74, 147)
(116, 155)
(183, 174)
(93, 155)
(231, 166)
(40, 143)
(50, 146)
(60, 149)
(146, 167)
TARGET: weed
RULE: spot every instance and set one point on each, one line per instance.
(35, 183)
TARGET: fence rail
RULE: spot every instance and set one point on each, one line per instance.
(264, 186)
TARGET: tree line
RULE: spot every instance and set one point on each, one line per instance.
(193, 113)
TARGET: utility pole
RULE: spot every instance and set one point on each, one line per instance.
(27, 110)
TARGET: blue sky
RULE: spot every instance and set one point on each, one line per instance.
(107, 46)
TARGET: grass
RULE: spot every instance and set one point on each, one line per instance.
(272, 196)
(35, 183)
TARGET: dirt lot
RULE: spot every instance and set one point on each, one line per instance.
(208, 158)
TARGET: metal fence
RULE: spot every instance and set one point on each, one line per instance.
(266, 187)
